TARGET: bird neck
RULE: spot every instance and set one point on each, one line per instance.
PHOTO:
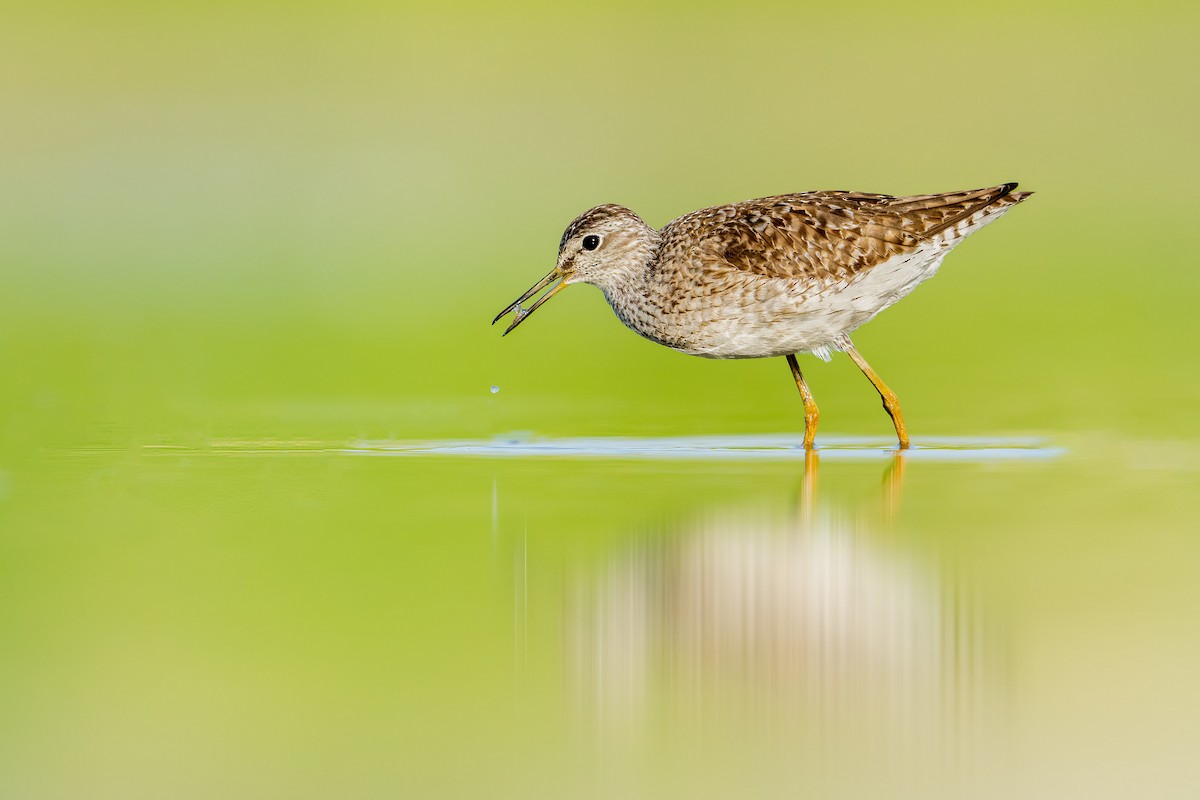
(631, 294)
(624, 284)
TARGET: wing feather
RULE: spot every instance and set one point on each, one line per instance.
(826, 236)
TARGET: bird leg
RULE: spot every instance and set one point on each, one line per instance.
(891, 404)
(811, 414)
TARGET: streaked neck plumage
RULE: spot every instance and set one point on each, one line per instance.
(625, 281)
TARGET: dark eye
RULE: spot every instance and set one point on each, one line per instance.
(591, 242)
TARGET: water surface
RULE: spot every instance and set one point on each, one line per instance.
(289, 614)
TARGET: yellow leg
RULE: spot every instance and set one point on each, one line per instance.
(891, 403)
(811, 414)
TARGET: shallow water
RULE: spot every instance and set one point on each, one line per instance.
(755, 447)
(288, 615)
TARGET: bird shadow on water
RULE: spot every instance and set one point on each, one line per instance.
(808, 625)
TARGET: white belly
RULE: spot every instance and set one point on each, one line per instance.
(795, 318)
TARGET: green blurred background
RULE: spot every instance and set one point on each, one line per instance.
(236, 237)
(260, 207)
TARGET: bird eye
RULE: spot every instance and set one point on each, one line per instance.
(591, 242)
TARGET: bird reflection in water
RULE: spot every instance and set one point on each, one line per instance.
(815, 617)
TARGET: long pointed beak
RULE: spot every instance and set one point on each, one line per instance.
(522, 313)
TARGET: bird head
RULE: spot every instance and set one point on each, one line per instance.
(605, 246)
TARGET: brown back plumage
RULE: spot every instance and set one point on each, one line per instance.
(826, 235)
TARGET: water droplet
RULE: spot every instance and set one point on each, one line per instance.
(495, 388)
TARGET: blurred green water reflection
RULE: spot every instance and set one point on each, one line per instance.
(235, 623)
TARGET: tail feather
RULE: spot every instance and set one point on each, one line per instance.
(960, 211)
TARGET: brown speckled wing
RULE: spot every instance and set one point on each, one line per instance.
(822, 235)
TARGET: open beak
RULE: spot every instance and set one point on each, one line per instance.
(522, 313)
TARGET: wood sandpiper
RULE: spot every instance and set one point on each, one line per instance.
(795, 273)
